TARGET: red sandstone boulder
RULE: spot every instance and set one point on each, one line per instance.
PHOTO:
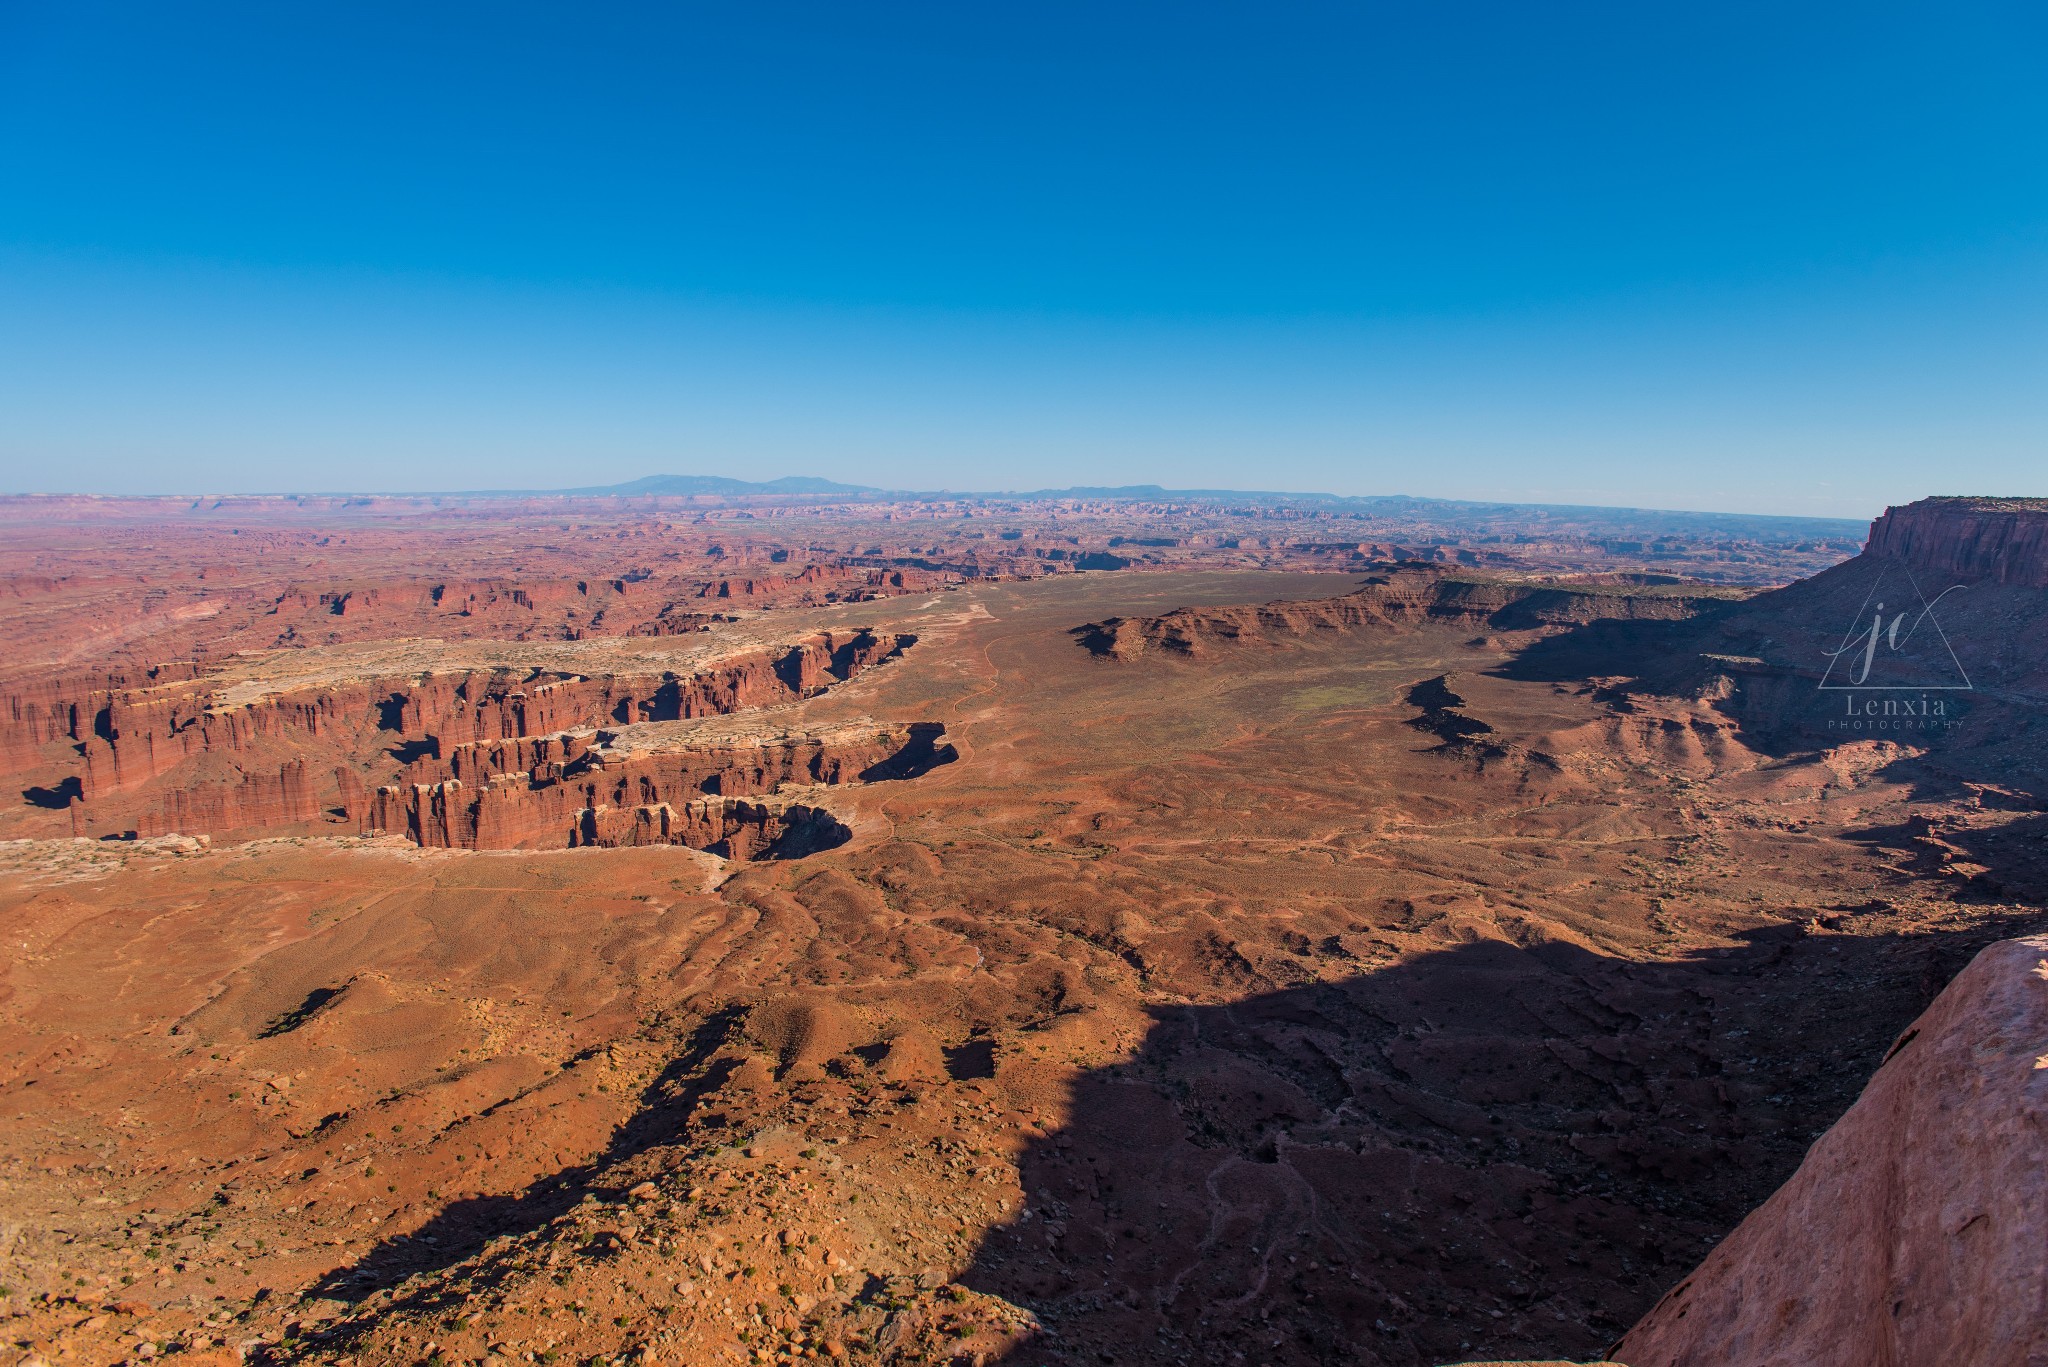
(1916, 1231)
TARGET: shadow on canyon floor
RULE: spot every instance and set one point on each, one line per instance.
(1611, 648)
(2004, 861)
(921, 753)
(1494, 1149)
(1490, 1151)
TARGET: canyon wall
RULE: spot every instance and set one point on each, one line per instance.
(264, 800)
(579, 607)
(1408, 597)
(2002, 539)
(577, 794)
(64, 706)
(450, 816)
(137, 734)
(173, 755)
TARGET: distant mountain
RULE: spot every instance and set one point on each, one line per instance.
(1628, 523)
(720, 484)
(1148, 491)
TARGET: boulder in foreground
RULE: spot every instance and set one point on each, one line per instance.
(1916, 1231)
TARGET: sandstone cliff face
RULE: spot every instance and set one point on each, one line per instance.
(574, 794)
(730, 827)
(255, 801)
(176, 757)
(63, 707)
(1916, 1231)
(2002, 539)
(1408, 597)
(448, 815)
(138, 734)
(32, 716)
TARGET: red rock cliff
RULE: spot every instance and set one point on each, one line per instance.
(255, 801)
(2003, 539)
(162, 752)
(131, 736)
(575, 795)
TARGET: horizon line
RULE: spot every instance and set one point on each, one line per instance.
(768, 490)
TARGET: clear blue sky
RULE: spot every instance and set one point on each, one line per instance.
(1786, 258)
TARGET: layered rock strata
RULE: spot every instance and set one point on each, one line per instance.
(2001, 539)
(174, 751)
(588, 790)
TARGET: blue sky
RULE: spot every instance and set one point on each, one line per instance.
(1763, 258)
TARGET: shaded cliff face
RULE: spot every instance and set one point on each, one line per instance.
(1934, 642)
(2001, 539)
(1914, 1230)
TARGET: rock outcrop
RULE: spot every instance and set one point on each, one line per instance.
(1914, 1233)
(2001, 539)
